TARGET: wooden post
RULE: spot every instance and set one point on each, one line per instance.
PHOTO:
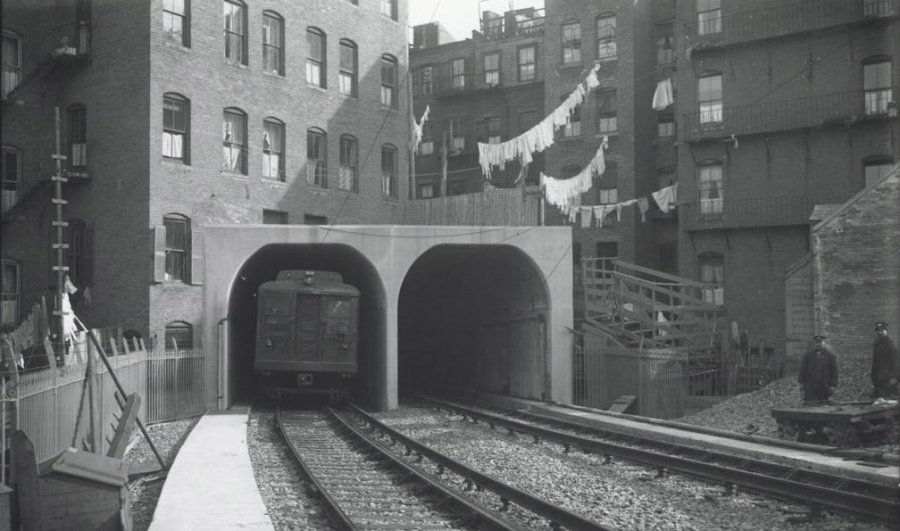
(444, 166)
(125, 426)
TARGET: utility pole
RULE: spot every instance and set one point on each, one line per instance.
(59, 246)
(444, 166)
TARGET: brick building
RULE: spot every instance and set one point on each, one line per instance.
(780, 106)
(176, 114)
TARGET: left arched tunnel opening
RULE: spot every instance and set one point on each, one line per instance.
(244, 382)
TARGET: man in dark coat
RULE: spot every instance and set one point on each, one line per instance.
(884, 363)
(818, 373)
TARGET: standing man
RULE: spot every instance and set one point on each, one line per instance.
(884, 363)
(818, 373)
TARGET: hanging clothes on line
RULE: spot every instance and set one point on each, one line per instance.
(562, 192)
(666, 198)
(417, 128)
(664, 96)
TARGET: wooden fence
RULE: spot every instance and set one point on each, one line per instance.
(605, 371)
(497, 207)
(48, 404)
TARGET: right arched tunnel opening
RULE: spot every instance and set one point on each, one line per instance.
(474, 317)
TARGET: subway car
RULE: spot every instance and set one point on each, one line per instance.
(306, 334)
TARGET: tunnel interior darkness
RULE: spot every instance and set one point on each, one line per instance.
(264, 266)
(474, 316)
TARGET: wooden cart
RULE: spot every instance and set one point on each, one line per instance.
(844, 425)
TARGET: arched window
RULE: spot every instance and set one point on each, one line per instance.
(389, 171)
(606, 36)
(316, 157)
(77, 118)
(235, 31)
(273, 149)
(11, 178)
(877, 85)
(176, 127)
(273, 43)
(571, 42)
(348, 68)
(178, 247)
(709, 98)
(348, 174)
(712, 273)
(315, 58)
(234, 140)
(180, 335)
(389, 81)
(10, 291)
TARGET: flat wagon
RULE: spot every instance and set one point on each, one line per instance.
(844, 425)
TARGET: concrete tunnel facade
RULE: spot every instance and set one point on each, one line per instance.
(502, 297)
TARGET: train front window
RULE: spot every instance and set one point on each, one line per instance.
(337, 308)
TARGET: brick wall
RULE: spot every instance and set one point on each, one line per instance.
(856, 269)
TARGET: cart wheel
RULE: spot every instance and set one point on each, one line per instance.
(842, 435)
(788, 429)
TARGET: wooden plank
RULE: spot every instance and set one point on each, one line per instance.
(125, 427)
(623, 404)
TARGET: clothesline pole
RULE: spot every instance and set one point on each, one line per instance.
(444, 166)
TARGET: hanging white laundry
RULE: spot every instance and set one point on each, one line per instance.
(643, 205)
(663, 97)
(666, 198)
(69, 286)
(417, 128)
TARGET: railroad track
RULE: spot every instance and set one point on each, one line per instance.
(871, 501)
(370, 476)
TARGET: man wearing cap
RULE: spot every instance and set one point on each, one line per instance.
(884, 363)
(818, 373)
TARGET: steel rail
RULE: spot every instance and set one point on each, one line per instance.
(556, 515)
(882, 505)
(483, 514)
(338, 517)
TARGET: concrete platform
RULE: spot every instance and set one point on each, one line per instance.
(210, 486)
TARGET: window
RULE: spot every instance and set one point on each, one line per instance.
(665, 125)
(458, 74)
(347, 80)
(273, 43)
(877, 87)
(348, 174)
(176, 139)
(456, 187)
(607, 196)
(492, 69)
(711, 192)
(78, 258)
(606, 37)
(77, 117)
(875, 168)
(527, 61)
(426, 146)
(665, 45)
(179, 335)
(571, 42)
(424, 85)
(175, 21)
(712, 273)
(527, 120)
(573, 127)
(388, 81)
(12, 178)
(457, 135)
(389, 8)
(274, 217)
(709, 90)
(426, 191)
(10, 292)
(493, 129)
(12, 62)
(878, 8)
(312, 219)
(273, 149)
(607, 121)
(315, 59)
(709, 17)
(316, 158)
(234, 141)
(235, 32)
(389, 171)
(178, 248)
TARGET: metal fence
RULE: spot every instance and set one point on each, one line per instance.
(48, 404)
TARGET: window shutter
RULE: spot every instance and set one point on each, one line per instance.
(196, 257)
(88, 279)
(158, 236)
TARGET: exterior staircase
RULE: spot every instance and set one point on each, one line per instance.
(645, 309)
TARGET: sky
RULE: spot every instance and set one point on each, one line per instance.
(460, 17)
